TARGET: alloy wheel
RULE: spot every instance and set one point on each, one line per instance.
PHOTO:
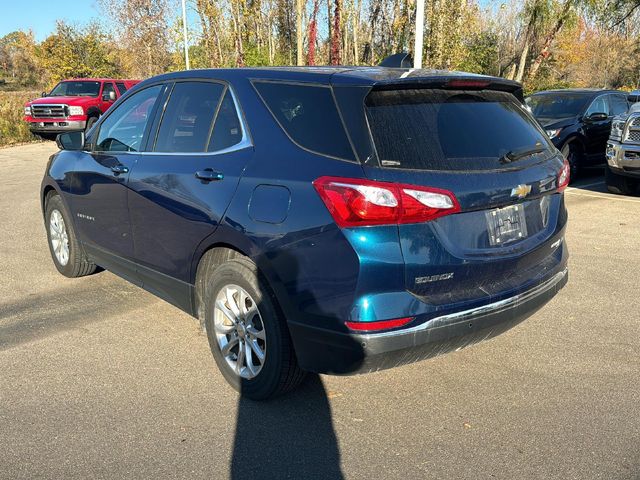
(240, 331)
(59, 237)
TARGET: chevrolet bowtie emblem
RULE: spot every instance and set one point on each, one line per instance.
(521, 191)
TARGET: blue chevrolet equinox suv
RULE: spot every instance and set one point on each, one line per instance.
(333, 220)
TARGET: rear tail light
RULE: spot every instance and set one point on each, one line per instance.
(564, 176)
(379, 325)
(357, 203)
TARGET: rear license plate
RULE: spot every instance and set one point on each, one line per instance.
(506, 224)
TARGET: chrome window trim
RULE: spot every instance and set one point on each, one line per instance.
(473, 312)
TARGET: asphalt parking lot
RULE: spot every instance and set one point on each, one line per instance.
(99, 379)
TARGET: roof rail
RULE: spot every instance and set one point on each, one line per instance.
(398, 60)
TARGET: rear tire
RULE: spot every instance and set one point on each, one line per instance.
(240, 310)
(573, 153)
(68, 255)
(618, 183)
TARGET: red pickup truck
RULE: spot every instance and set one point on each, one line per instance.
(74, 104)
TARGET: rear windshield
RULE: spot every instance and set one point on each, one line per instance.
(426, 129)
(76, 89)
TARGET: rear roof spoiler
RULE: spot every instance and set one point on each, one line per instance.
(455, 81)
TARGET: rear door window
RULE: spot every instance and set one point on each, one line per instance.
(425, 129)
(187, 121)
(308, 115)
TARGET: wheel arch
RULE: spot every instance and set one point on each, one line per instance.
(574, 138)
(214, 255)
(93, 112)
(47, 190)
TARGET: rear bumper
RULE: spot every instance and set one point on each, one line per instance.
(56, 126)
(323, 351)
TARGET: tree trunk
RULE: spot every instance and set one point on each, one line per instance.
(299, 35)
(313, 34)
(523, 61)
(329, 26)
(546, 46)
(335, 40)
(356, 24)
(238, 36)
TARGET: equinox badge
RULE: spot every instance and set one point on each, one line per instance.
(521, 191)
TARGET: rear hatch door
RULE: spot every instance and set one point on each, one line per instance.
(482, 146)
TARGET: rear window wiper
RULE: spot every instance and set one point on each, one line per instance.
(517, 154)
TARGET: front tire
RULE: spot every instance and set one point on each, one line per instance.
(618, 183)
(90, 123)
(248, 334)
(68, 255)
(572, 152)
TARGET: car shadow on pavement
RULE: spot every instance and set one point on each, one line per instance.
(48, 313)
(289, 437)
(292, 436)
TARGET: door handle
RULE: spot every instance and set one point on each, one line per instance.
(208, 175)
(118, 169)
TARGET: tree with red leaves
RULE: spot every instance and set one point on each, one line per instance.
(313, 34)
(336, 34)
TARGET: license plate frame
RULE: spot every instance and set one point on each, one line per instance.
(506, 225)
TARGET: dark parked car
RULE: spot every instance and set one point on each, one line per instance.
(578, 122)
(334, 220)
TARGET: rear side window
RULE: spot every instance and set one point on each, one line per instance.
(188, 118)
(424, 129)
(121, 88)
(308, 114)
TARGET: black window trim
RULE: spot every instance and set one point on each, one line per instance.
(253, 82)
(245, 142)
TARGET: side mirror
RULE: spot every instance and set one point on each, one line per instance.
(43, 94)
(597, 117)
(71, 140)
(109, 97)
